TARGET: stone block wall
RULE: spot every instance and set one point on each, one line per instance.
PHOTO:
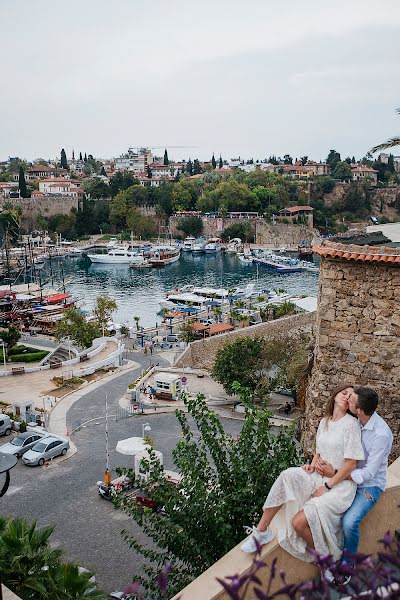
(357, 338)
(201, 354)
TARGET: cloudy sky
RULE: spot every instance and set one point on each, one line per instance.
(238, 78)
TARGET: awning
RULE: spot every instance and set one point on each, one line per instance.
(57, 298)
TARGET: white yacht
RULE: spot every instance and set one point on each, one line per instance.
(188, 244)
(198, 246)
(181, 300)
(213, 246)
(233, 246)
(120, 255)
(211, 293)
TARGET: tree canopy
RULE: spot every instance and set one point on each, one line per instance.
(191, 225)
(223, 480)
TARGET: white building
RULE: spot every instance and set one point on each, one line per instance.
(136, 160)
(61, 187)
(361, 173)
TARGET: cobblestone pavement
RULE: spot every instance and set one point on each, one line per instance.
(88, 528)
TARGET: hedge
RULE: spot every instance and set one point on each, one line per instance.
(30, 357)
(21, 349)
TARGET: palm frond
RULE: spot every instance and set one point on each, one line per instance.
(391, 143)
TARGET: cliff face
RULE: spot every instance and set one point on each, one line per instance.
(384, 201)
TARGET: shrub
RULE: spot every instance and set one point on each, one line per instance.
(30, 357)
(21, 349)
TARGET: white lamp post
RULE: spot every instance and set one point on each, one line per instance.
(146, 429)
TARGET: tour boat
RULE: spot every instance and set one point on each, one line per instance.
(188, 244)
(163, 255)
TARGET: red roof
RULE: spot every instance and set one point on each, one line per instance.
(359, 253)
(199, 327)
(219, 328)
(55, 298)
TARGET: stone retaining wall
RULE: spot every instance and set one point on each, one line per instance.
(201, 354)
(357, 338)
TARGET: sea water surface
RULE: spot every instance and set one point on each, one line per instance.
(138, 292)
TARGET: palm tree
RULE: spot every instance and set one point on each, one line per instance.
(25, 557)
(137, 319)
(394, 141)
(68, 582)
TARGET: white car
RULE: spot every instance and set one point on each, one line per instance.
(22, 443)
(46, 449)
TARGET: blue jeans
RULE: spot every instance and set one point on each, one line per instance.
(365, 499)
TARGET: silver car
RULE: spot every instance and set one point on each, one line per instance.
(46, 449)
(22, 443)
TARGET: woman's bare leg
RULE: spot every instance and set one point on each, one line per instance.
(267, 516)
(302, 528)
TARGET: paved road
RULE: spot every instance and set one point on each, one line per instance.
(88, 528)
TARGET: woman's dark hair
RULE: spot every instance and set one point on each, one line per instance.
(331, 401)
(367, 399)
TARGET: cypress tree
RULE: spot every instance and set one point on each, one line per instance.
(166, 161)
(149, 173)
(189, 167)
(390, 163)
(177, 176)
(80, 156)
(64, 164)
(103, 171)
(221, 164)
(85, 159)
(22, 183)
(213, 162)
(196, 167)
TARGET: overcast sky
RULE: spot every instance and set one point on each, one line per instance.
(238, 78)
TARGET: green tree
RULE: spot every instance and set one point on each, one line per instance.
(121, 181)
(213, 162)
(355, 199)
(244, 231)
(342, 171)
(220, 163)
(10, 336)
(196, 167)
(149, 172)
(333, 158)
(96, 188)
(103, 311)
(166, 161)
(80, 156)
(103, 171)
(186, 332)
(189, 167)
(63, 162)
(191, 225)
(239, 362)
(22, 183)
(10, 220)
(141, 225)
(81, 331)
(222, 482)
(391, 143)
(287, 159)
(85, 158)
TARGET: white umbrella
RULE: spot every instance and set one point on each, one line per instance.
(132, 446)
(157, 338)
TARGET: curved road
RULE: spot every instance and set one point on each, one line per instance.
(88, 528)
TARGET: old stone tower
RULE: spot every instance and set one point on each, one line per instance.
(357, 331)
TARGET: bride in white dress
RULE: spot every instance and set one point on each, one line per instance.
(314, 505)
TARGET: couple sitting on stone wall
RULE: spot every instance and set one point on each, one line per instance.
(325, 501)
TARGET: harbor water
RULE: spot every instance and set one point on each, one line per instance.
(138, 292)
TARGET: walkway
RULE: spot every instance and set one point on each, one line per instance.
(33, 386)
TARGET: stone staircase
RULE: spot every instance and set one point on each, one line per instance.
(60, 354)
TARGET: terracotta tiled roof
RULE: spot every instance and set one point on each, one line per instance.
(359, 253)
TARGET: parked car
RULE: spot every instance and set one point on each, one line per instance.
(22, 443)
(46, 449)
(5, 424)
(374, 220)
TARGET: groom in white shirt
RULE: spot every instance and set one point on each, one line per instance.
(370, 474)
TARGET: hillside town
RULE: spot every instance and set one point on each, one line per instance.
(200, 333)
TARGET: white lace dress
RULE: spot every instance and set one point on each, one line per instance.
(294, 487)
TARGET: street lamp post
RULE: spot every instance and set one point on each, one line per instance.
(146, 429)
(4, 357)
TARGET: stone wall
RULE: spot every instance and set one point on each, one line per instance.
(265, 233)
(47, 206)
(201, 354)
(357, 338)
